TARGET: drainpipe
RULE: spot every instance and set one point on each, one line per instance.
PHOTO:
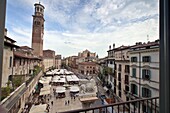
(2, 28)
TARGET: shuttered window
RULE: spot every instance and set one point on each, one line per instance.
(134, 89)
(146, 92)
(146, 74)
(133, 72)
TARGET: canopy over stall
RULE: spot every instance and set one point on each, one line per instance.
(45, 88)
(38, 108)
(45, 92)
(74, 89)
(60, 89)
(72, 79)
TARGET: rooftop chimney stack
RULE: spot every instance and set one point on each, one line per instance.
(110, 47)
(113, 45)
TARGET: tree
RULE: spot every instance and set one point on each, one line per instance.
(17, 81)
(5, 92)
(107, 71)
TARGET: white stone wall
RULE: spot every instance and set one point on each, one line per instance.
(153, 66)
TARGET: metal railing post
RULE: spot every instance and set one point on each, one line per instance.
(164, 75)
(2, 28)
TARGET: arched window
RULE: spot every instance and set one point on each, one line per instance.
(37, 8)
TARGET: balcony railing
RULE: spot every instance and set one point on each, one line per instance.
(133, 106)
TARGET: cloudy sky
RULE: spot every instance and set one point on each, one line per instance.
(72, 26)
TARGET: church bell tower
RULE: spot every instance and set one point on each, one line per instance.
(38, 29)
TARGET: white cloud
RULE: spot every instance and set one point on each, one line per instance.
(89, 24)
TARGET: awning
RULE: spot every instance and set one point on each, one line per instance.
(45, 92)
(74, 89)
(88, 99)
(38, 108)
(47, 87)
(60, 89)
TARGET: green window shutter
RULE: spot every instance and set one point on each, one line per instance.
(149, 74)
(149, 95)
(149, 58)
(132, 88)
(134, 72)
(143, 74)
(136, 90)
(143, 59)
(143, 92)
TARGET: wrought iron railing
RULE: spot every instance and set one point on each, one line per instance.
(146, 105)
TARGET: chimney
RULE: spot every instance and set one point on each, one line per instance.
(113, 45)
(110, 47)
(138, 43)
(5, 32)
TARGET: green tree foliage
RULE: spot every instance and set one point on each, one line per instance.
(36, 70)
(5, 92)
(17, 81)
(107, 71)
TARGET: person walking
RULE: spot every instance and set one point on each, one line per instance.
(65, 102)
(68, 102)
(52, 103)
(74, 97)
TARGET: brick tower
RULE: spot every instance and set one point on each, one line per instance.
(38, 29)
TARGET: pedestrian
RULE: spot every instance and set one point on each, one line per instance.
(68, 102)
(51, 102)
(65, 102)
(74, 97)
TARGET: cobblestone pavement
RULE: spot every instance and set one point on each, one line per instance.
(59, 104)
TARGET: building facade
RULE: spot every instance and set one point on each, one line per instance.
(38, 30)
(110, 63)
(58, 61)
(24, 61)
(87, 56)
(122, 72)
(48, 59)
(8, 57)
(88, 68)
(144, 71)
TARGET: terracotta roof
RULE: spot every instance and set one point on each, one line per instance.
(155, 43)
(25, 47)
(121, 48)
(138, 45)
(22, 55)
(58, 56)
(10, 39)
(10, 44)
(48, 50)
